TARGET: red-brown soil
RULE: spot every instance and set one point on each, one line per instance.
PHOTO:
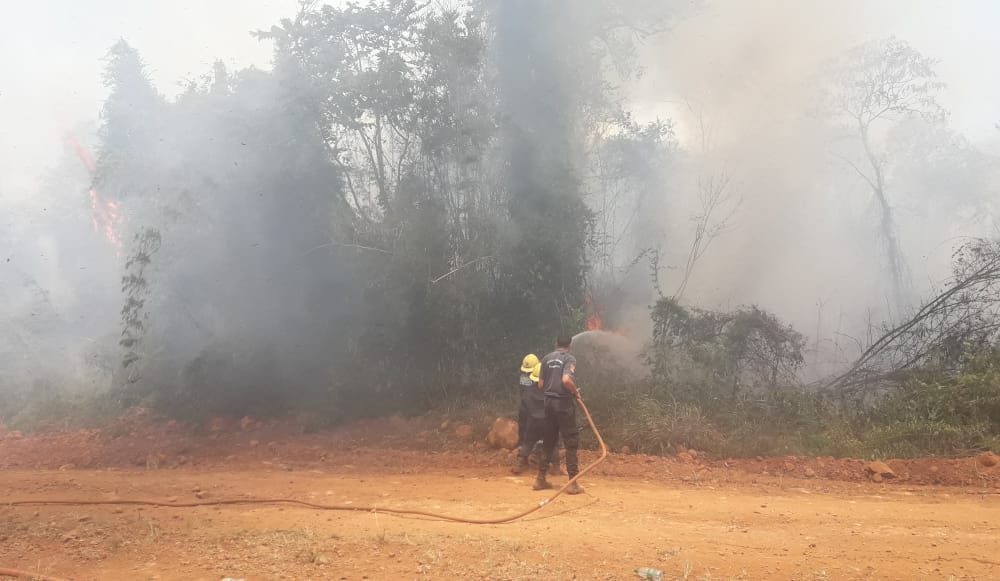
(694, 518)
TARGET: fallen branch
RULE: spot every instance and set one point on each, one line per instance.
(458, 268)
(967, 311)
(338, 244)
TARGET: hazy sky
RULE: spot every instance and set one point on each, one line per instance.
(51, 55)
(51, 62)
(774, 43)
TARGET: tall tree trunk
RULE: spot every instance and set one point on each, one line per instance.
(887, 228)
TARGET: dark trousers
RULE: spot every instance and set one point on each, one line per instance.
(560, 420)
(523, 418)
(530, 431)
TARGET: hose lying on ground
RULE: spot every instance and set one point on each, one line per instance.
(397, 511)
(17, 574)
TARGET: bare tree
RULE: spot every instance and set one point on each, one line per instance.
(717, 208)
(963, 318)
(877, 82)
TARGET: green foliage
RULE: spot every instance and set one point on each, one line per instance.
(59, 409)
(700, 355)
(712, 373)
(386, 220)
(921, 437)
(134, 316)
(654, 427)
(972, 397)
(397, 212)
(940, 413)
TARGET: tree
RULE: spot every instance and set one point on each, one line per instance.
(135, 314)
(570, 144)
(961, 320)
(730, 353)
(715, 197)
(877, 83)
(386, 219)
(950, 183)
(631, 163)
(130, 134)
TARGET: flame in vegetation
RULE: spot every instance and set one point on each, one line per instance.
(594, 320)
(107, 216)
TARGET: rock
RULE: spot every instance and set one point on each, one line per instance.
(626, 450)
(254, 443)
(463, 432)
(693, 453)
(989, 459)
(15, 435)
(444, 425)
(247, 423)
(503, 434)
(934, 469)
(880, 470)
(321, 559)
(809, 472)
(789, 467)
(685, 457)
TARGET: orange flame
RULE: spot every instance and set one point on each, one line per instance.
(107, 216)
(594, 320)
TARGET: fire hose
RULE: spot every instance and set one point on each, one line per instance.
(17, 574)
(305, 504)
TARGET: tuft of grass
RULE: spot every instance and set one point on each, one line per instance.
(64, 410)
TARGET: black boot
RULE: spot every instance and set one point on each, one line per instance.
(521, 466)
(540, 482)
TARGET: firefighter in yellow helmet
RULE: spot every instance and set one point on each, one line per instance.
(531, 416)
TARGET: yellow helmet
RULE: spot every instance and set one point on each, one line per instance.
(536, 373)
(529, 362)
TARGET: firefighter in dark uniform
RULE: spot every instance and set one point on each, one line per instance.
(531, 416)
(557, 383)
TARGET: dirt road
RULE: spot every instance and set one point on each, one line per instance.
(693, 517)
(757, 529)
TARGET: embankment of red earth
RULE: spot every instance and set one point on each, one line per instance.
(138, 439)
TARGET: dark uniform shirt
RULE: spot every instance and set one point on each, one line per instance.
(554, 366)
(532, 397)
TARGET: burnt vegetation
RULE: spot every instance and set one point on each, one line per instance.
(414, 197)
